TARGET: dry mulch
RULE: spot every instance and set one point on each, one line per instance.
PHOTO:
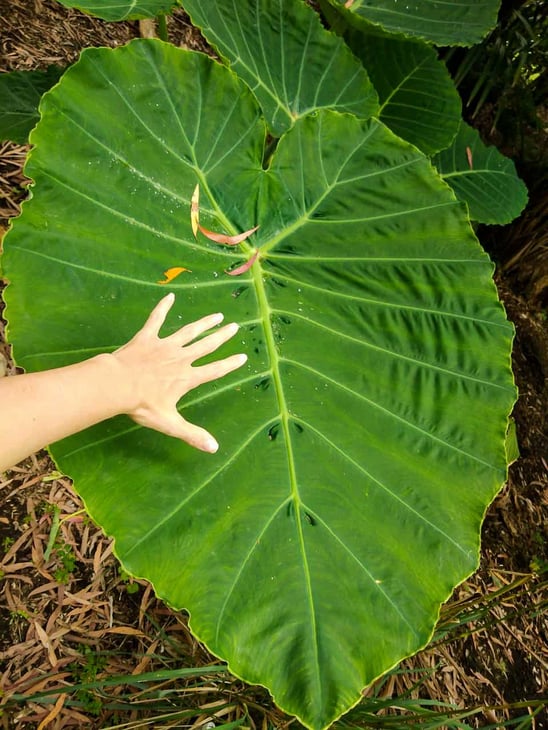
(68, 614)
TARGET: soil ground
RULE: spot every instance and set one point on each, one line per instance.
(68, 615)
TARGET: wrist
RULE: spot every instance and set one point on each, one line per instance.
(118, 380)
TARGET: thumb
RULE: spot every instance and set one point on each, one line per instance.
(194, 435)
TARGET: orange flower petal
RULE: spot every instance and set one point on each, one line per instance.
(170, 274)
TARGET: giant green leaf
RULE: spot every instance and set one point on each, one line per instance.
(290, 62)
(483, 177)
(20, 94)
(418, 99)
(452, 22)
(122, 9)
(362, 444)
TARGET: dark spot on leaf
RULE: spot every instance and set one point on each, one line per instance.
(289, 510)
(284, 319)
(298, 427)
(263, 384)
(273, 431)
(286, 249)
(310, 519)
(278, 282)
(236, 293)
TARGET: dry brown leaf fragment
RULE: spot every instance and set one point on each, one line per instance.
(225, 238)
(195, 210)
(46, 643)
(469, 158)
(212, 235)
(244, 267)
(52, 714)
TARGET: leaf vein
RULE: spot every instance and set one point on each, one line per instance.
(393, 353)
(385, 488)
(195, 492)
(390, 413)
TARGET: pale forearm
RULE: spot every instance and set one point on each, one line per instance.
(145, 378)
(38, 409)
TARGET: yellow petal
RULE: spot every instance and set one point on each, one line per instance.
(195, 210)
(170, 274)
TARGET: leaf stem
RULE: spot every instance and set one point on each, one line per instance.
(161, 24)
(53, 533)
(270, 148)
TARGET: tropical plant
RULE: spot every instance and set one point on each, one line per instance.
(507, 68)
(361, 447)
(20, 94)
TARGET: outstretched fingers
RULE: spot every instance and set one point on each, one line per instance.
(211, 342)
(220, 368)
(191, 331)
(186, 334)
(158, 316)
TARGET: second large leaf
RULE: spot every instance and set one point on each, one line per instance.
(122, 9)
(362, 445)
(445, 23)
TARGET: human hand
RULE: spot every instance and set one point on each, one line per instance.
(158, 371)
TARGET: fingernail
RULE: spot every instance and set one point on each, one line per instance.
(211, 446)
(241, 359)
(233, 327)
(217, 317)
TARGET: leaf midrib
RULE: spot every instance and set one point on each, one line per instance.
(265, 314)
(401, 84)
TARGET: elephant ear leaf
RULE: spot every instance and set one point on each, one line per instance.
(290, 62)
(20, 94)
(122, 9)
(418, 99)
(443, 23)
(482, 177)
(365, 437)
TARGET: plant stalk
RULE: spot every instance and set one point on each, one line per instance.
(161, 24)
